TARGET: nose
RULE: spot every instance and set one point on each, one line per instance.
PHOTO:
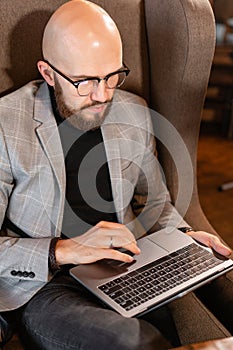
(100, 93)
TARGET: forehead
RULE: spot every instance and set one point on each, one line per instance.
(95, 55)
(92, 63)
(81, 37)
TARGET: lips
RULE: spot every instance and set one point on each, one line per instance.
(97, 108)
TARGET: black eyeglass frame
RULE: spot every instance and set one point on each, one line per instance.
(76, 84)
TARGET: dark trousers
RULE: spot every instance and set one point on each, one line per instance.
(218, 297)
(64, 315)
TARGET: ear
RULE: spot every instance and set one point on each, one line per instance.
(46, 72)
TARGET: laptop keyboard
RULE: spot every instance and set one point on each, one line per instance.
(153, 279)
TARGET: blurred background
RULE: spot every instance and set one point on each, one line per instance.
(215, 151)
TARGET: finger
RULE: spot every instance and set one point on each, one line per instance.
(119, 236)
(126, 241)
(117, 255)
(116, 240)
(132, 246)
(219, 247)
(109, 225)
(200, 236)
(103, 253)
(210, 241)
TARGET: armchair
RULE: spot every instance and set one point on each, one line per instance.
(169, 47)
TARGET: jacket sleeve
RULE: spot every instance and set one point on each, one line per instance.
(20, 258)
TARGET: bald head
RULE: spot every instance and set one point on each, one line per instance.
(79, 32)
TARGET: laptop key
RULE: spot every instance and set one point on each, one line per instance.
(131, 290)
(126, 304)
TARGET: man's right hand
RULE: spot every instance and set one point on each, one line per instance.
(96, 244)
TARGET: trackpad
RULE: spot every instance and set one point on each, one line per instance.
(170, 239)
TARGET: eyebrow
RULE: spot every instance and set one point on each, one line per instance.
(82, 77)
(79, 77)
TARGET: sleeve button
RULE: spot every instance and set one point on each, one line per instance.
(14, 273)
(31, 275)
(25, 274)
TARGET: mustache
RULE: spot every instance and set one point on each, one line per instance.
(96, 103)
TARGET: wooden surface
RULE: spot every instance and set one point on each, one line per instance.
(220, 344)
(215, 167)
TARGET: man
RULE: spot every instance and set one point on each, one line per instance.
(54, 135)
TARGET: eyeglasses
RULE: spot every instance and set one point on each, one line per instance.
(87, 85)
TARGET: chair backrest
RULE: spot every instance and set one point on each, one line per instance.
(181, 38)
(21, 28)
(168, 46)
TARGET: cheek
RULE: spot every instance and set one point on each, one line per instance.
(71, 97)
(76, 102)
(110, 94)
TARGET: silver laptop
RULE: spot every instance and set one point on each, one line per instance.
(170, 265)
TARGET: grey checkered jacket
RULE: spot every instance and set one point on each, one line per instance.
(32, 182)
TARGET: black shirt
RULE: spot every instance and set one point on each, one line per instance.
(88, 186)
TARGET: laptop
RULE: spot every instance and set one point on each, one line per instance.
(170, 265)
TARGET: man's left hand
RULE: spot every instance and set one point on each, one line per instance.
(210, 241)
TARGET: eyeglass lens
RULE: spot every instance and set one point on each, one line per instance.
(112, 82)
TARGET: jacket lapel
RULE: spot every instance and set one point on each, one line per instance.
(48, 135)
(50, 142)
(111, 143)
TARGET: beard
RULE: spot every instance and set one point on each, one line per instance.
(80, 118)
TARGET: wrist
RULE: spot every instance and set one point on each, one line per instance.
(61, 252)
(185, 229)
(53, 263)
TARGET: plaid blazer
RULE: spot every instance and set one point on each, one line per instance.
(32, 182)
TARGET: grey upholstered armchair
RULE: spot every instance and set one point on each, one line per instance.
(168, 46)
